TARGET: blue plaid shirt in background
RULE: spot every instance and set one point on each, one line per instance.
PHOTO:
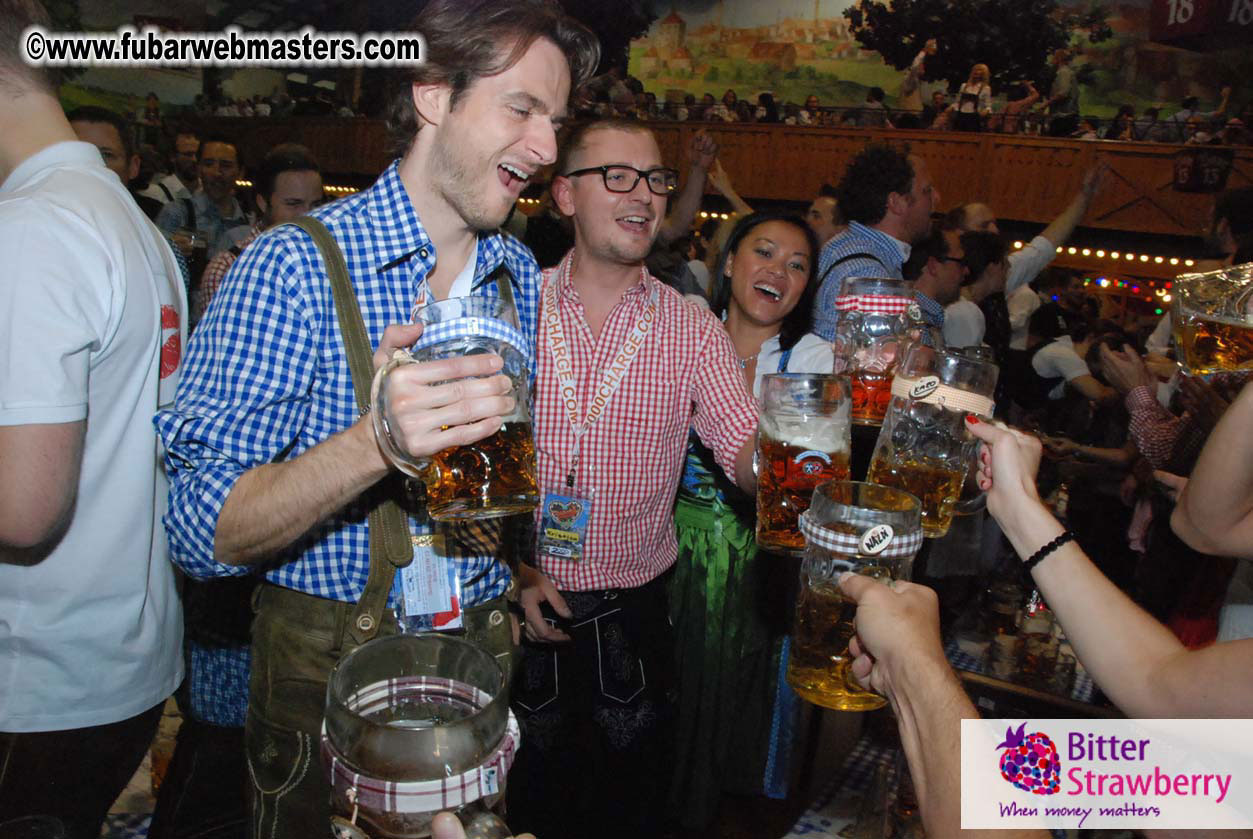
(889, 255)
(932, 316)
(266, 377)
(217, 683)
(932, 311)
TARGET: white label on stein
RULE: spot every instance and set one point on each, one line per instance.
(914, 311)
(874, 540)
(808, 453)
(924, 387)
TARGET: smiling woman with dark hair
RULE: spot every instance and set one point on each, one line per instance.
(729, 636)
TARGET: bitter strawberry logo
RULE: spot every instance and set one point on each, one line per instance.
(1029, 761)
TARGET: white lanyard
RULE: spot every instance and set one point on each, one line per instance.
(563, 362)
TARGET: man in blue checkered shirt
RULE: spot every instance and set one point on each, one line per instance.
(887, 196)
(272, 471)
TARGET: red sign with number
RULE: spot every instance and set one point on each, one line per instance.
(1202, 23)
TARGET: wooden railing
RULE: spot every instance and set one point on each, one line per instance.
(1024, 178)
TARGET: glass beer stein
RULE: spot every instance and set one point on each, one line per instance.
(803, 440)
(924, 447)
(849, 526)
(495, 476)
(1212, 316)
(876, 315)
(416, 724)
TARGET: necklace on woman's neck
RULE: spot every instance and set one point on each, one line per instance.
(746, 360)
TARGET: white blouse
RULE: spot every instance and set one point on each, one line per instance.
(812, 354)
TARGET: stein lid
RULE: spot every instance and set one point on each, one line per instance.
(473, 327)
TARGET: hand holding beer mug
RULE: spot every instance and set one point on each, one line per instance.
(875, 317)
(802, 441)
(496, 475)
(1213, 320)
(924, 447)
(195, 249)
(851, 526)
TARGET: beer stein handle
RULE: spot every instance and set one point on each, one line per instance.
(414, 467)
(972, 499)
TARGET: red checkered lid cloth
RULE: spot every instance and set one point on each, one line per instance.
(875, 540)
(876, 304)
(421, 796)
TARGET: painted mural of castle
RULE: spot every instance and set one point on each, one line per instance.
(797, 48)
(715, 49)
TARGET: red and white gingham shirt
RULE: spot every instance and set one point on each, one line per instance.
(685, 375)
(215, 272)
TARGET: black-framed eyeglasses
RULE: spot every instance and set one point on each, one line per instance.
(619, 178)
(961, 260)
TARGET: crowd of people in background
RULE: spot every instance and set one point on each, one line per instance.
(975, 105)
(279, 104)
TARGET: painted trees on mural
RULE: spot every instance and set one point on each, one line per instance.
(615, 23)
(1014, 38)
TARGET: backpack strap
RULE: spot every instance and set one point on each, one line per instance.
(848, 258)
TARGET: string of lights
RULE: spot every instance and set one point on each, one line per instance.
(337, 190)
(1100, 253)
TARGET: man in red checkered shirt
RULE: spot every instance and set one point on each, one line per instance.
(626, 368)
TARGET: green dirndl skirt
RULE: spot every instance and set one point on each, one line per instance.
(727, 658)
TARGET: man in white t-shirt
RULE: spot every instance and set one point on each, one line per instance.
(1059, 363)
(1061, 360)
(92, 303)
(1031, 259)
(1022, 303)
(964, 322)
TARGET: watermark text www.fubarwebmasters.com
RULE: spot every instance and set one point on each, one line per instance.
(232, 47)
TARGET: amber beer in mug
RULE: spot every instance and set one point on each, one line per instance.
(850, 526)
(803, 440)
(937, 486)
(1212, 346)
(924, 447)
(875, 316)
(1213, 320)
(497, 475)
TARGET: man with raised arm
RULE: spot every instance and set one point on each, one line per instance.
(1027, 262)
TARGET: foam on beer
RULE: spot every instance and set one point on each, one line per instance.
(824, 433)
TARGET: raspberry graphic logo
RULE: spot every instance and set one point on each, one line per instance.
(1029, 761)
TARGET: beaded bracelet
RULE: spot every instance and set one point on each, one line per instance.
(1039, 556)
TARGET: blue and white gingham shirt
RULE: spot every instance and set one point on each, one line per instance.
(266, 377)
(858, 238)
(217, 679)
(932, 311)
